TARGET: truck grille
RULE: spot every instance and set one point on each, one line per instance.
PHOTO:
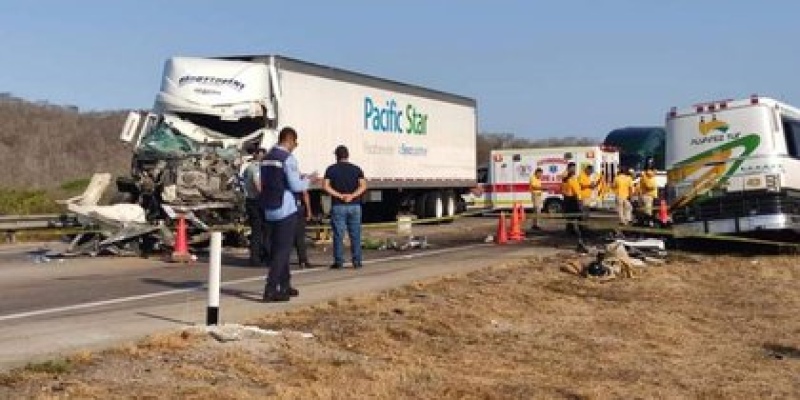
(738, 205)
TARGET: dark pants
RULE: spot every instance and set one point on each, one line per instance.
(572, 207)
(300, 236)
(281, 239)
(259, 233)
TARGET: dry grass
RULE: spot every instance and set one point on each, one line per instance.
(709, 327)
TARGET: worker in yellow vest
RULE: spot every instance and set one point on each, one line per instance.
(648, 188)
(587, 186)
(537, 196)
(623, 188)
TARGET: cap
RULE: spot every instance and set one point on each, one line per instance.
(341, 152)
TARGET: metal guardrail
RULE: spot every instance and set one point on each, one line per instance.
(14, 223)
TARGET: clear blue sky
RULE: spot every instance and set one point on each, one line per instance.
(537, 68)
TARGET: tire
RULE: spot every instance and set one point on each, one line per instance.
(554, 206)
(450, 203)
(420, 205)
(122, 198)
(434, 205)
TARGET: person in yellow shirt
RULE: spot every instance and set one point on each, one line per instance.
(587, 186)
(623, 188)
(537, 196)
(648, 189)
(571, 191)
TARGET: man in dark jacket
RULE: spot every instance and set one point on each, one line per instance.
(280, 182)
(345, 183)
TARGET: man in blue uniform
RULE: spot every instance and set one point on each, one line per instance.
(280, 182)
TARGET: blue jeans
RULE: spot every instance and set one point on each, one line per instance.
(346, 217)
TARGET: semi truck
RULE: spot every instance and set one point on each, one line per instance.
(730, 166)
(505, 179)
(415, 145)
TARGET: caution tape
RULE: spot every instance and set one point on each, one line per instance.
(418, 221)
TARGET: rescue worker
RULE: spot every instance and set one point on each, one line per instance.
(648, 189)
(571, 190)
(537, 197)
(623, 188)
(587, 188)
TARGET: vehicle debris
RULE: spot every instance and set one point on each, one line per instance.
(619, 259)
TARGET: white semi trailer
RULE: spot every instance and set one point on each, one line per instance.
(415, 145)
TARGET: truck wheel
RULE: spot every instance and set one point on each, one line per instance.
(554, 206)
(434, 206)
(420, 205)
(450, 205)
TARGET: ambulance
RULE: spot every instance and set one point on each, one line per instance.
(504, 181)
(729, 165)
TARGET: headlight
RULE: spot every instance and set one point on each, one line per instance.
(773, 182)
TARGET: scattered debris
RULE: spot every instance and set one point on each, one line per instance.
(619, 259)
(234, 332)
(414, 242)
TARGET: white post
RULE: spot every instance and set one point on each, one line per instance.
(214, 277)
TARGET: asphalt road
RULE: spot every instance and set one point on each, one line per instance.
(54, 307)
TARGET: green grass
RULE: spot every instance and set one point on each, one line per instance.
(19, 201)
(76, 186)
(50, 367)
(22, 202)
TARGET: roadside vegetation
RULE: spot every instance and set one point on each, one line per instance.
(48, 151)
(712, 327)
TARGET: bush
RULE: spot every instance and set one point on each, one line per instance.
(76, 186)
(21, 202)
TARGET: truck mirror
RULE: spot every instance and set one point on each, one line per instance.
(131, 127)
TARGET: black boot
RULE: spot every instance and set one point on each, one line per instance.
(274, 295)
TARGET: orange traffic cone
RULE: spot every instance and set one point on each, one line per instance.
(502, 237)
(522, 215)
(516, 229)
(663, 215)
(181, 251)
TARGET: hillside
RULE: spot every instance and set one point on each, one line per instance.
(43, 146)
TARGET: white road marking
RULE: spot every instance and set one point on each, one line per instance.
(128, 299)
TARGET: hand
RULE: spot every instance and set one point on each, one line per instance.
(347, 198)
(312, 177)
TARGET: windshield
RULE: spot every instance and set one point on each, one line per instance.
(628, 160)
(235, 129)
(164, 143)
(636, 144)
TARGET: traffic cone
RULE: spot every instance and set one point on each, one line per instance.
(502, 236)
(181, 251)
(663, 215)
(516, 229)
(522, 215)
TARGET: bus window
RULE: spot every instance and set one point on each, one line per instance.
(791, 128)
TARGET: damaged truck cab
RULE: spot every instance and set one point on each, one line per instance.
(187, 152)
